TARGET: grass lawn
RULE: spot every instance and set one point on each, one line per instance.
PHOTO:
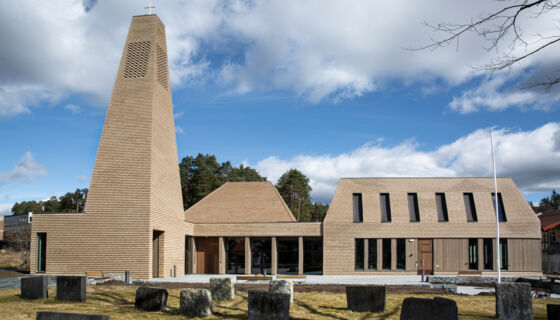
(118, 303)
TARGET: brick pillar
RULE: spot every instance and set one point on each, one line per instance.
(248, 255)
(379, 254)
(221, 255)
(393, 254)
(192, 243)
(274, 256)
(366, 251)
(300, 255)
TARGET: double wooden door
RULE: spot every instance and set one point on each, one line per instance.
(207, 255)
(425, 256)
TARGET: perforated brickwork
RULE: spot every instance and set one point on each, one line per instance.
(136, 65)
(162, 67)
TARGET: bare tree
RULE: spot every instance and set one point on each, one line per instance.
(503, 28)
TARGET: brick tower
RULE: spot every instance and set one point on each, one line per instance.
(134, 218)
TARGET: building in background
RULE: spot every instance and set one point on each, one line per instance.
(17, 231)
(550, 229)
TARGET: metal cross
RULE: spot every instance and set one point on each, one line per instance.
(149, 7)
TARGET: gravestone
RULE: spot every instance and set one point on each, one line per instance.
(282, 286)
(553, 311)
(71, 288)
(268, 306)
(513, 301)
(429, 309)
(365, 298)
(35, 287)
(222, 289)
(150, 299)
(196, 303)
(43, 315)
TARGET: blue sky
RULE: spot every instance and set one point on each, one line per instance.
(317, 85)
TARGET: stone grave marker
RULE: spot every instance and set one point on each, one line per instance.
(72, 288)
(429, 309)
(282, 286)
(35, 287)
(366, 298)
(150, 299)
(513, 301)
(196, 303)
(222, 289)
(268, 306)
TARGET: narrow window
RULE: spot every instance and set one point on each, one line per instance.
(469, 207)
(372, 254)
(386, 253)
(385, 207)
(42, 252)
(501, 210)
(359, 254)
(503, 254)
(473, 254)
(358, 210)
(401, 254)
(413, 207)
(488, 254)
(441, 207)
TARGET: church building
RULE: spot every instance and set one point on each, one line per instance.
(373, 226)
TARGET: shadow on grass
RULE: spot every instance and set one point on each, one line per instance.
(315, 311)
(112, 298)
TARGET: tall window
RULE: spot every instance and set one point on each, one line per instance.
(42, 252)
(441, 207)
(503, 254)
(469, 207)
(385, 204)
(359, 264)
(235, 255)
(372, 254)
(401, 253)
(288, 254)
(473, 254)
(386, 244)
(358, 210)
(413, 207)
(501, 210)
(488, 254)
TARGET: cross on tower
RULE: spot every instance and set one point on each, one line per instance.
(149, 7)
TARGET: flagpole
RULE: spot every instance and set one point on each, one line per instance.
(496, 207)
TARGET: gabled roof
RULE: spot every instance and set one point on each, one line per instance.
(241, 202)
(550, 219)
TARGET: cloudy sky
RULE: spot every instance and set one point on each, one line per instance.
(326, 87)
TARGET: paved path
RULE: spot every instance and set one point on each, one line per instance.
(412, 280)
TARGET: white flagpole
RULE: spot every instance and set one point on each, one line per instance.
(496, 207)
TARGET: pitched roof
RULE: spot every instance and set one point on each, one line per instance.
(550, 219)
(241, 202)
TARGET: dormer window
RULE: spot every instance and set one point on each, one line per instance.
(469, 207)
(358, 209)
(413, 207)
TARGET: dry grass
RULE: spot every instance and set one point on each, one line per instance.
(12, 260)
(118, 302)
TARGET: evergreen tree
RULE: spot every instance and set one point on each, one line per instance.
(294, 188)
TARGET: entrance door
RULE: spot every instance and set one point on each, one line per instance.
(155, 252)
(425, 256)
(207, 255)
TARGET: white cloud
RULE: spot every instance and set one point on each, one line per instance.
(82, 178)
(26, 171)
(179, 129)
(6, 209)
(531, 158)
(72, 107)
(316, 49)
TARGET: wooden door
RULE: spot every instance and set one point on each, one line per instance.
(425, 256)
(207, 255)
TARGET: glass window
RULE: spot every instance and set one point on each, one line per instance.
(413, 207)
(473, 254)
(372, 254)
(313, 255)
(358, 210)
(260, 255)
(386, 244)
(385, 204)
(401, 254)
(235, 255)
(469, 207)
(288, 255)
(488, 254)
(42, 252)
(359, 253)
(501, 210)
(441, 207)
(503, 254)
